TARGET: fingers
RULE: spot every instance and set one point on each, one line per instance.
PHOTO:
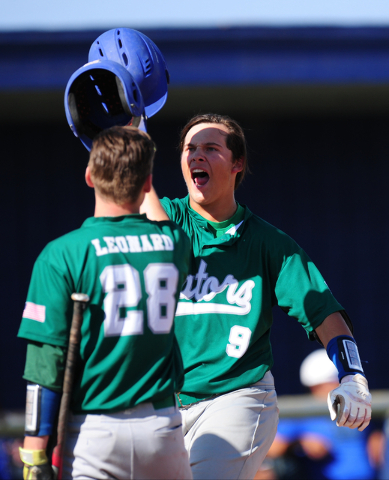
(332, 405)
(350, 403)
(352, 415)
(364, 424)
(366, 420)
(343, 411)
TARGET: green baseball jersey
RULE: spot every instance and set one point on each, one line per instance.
(132, 269)
(224, 314)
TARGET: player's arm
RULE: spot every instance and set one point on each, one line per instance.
(44, 365)
(350, 403)
(152, 207)
(41, 415)
(333, 326)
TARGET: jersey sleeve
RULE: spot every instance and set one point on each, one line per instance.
(48, 309)
(168, 206)
(45, 365)
(182, 248)
(180, 212)
(302, 292)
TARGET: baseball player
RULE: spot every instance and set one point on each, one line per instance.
(241, 267)
(124, 419)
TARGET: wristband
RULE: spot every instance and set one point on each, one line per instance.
(33, 457)
(343, 352)
(41, 410)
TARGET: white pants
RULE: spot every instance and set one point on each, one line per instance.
(139, 443)
(228, 437)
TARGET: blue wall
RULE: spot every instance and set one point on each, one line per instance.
(199, 57)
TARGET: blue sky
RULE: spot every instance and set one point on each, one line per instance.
(95, 14)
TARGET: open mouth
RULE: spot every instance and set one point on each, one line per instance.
(199, 177)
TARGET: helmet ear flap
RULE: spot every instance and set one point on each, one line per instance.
(73, 110)
(122, 96)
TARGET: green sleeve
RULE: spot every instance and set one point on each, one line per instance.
(167, 205)
(178, 211)
(50, 290)
(45, 365)
(302, 292)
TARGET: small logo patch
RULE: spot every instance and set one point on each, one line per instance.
(34, 312)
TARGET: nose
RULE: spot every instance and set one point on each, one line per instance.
(197, 155)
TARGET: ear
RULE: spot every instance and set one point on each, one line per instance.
(238, 166)
(148, 183)
(88, 178)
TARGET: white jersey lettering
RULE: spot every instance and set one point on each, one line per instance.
(133, 244)
(146, 245)
(112, 248)
(99, 251)
(157, 241)
(122, 244)
(169, 245)
(207, 288)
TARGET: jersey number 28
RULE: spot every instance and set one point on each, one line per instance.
(122, 285)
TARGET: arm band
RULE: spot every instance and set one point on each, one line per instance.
(41, 410)
(343, 352)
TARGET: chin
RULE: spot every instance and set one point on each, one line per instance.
(197, 196)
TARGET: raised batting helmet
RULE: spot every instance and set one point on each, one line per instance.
(141, 57)
(100, 95)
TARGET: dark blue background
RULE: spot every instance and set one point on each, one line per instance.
(323, 181)
(320, 177)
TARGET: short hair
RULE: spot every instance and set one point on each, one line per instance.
(235, 140)
(120, 161)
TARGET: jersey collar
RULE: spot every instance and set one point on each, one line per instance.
(229, 238)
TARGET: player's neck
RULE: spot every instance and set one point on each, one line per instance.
(217, 212)
(106, 208)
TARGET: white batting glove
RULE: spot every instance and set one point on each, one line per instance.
(350, 403)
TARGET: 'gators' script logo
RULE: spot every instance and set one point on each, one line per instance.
(207, 288)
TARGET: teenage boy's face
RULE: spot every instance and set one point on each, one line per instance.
(207, 164)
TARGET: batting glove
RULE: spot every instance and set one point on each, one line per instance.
(350, 403)
(36, 466)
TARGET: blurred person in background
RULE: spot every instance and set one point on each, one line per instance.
(382, 454)
(313, 448)
(5, 471)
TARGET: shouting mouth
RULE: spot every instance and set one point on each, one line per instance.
(200, 177)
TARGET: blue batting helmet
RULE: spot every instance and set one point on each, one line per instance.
(141, 57)
(100, 95)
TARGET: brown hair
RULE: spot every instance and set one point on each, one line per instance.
(120, 161)
(235, 140)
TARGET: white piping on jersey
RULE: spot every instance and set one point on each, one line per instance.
(189, 308)
(208, 287)
(234, 229)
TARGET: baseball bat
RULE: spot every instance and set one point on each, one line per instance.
(80, 300)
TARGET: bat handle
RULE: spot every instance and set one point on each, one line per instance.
(80, 301)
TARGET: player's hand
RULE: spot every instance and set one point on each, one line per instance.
(350, 403)
(36, 466)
